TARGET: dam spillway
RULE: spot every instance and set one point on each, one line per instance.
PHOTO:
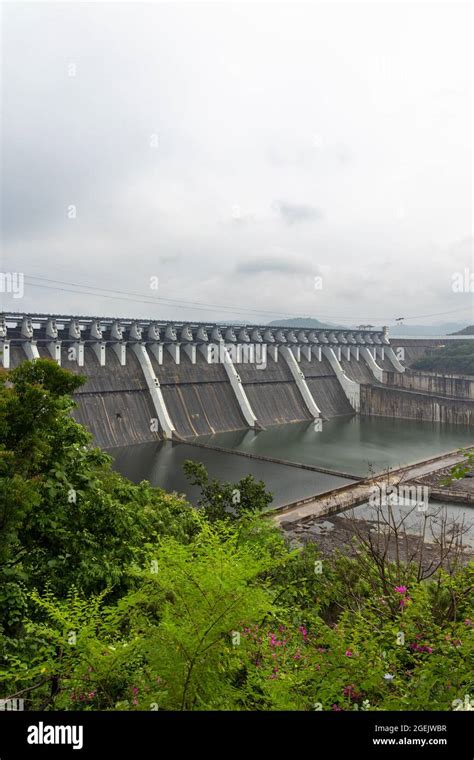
(198, 396)
(149, 380)
(273, 393)
(198, 378)
(326, 388)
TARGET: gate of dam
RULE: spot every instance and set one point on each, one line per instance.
(149, 379)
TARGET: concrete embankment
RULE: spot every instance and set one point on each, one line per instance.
(114, 404)
(451, 494)
(412, 349)
(454, 386)
(352, 495)
(151, 380)
(385, 401)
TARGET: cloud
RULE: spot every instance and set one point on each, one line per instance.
(290, 264)
(235, 131)
(296, 213)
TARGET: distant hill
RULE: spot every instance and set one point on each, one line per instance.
(408, 330)
(466, 331)
(457, 358)
(395, 331)
(304, 322)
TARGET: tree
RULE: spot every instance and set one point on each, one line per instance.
(457, 358)
(120, 596)
(227, 500)
(65, 516)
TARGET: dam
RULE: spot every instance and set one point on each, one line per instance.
(149, 380)
(248, 398)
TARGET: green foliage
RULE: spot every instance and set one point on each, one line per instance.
(227, 500)
(210, 627)
(65, 517)
(460, 470)
(125, 598)
(170, 641)
(457, 358)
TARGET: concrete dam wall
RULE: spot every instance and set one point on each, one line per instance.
(273, 393)
(384, 401)
(114, 404)
(457, 386)
(199, 397)
(326, 388)
(148, 380)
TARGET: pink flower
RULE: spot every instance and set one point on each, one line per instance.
(401, 589)
(351, 692)
(297, 656)
(348, 653)
(468, 622)
(336, 708)
(421, 648)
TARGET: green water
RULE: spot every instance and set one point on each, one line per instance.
(355, 445)
(162, 463)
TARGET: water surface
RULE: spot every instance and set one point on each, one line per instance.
(353, 445)
(161, 463)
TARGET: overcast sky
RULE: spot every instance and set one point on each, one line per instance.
(236, 153)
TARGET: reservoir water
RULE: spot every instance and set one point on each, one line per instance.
(355, 445)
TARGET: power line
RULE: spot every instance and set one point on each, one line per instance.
(141, 298)
(165, 301)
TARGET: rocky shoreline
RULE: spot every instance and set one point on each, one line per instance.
(339, 532)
